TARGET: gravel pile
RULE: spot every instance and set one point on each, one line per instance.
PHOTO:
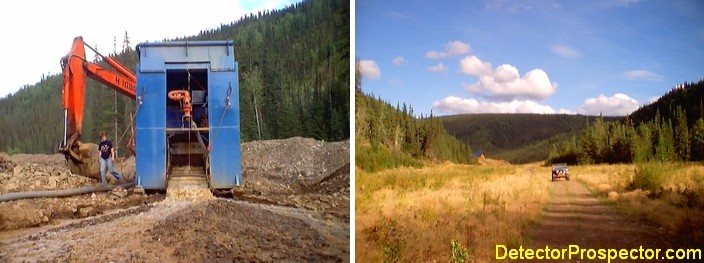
(291, 164)
(25, 172)
(295, 172)
(273, 166)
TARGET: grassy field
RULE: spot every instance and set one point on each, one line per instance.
(445, 211)
(668, 194)
(414, 215)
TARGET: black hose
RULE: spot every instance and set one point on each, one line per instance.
(61, 193)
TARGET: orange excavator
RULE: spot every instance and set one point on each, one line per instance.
(83, 157)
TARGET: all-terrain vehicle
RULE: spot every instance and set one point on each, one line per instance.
(559, 170)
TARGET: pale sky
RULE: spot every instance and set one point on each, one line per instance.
(36, 34)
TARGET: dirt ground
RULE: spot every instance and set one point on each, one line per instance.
(295, 208)
(487, 161)
(575, 216)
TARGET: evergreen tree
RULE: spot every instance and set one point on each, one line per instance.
(642, 144)
(664, 148)
(621, 149)
(682, 145)
(698, 140)
(126, 48)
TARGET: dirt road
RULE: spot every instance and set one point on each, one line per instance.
(575, 216)
(217, 230)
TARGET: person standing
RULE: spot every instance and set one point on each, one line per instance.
(107, 155)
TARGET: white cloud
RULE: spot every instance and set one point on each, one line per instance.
(395, 82)
(399, 61)
(621, 3)
(400, 15)
(440, 67)
(617, 105)
(506, 73)
(508, 6)
(369, 69)
(457, 105)
(471, 65)
(565, 51)
(642, 74)
(452, 49)
(505, 84)
(653, 99)
(566, 111)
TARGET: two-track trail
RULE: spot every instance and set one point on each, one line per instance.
(576, 216)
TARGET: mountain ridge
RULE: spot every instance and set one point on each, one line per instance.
(516, 137)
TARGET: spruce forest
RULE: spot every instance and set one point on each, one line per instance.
(388, 136)
(293, 62)
(670, 129)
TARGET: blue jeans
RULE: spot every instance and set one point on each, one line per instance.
(107, 163)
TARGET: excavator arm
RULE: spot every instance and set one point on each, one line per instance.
(81, 156)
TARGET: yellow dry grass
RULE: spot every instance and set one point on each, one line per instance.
(677, 204)
(412, 215)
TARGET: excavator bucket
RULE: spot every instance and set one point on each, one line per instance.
(89, 165)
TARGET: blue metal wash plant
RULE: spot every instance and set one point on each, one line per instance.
(208, 141)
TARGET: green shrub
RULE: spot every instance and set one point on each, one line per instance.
(652, 176)
(459, 253)
(393, 242)
(13, 151)
(376, 158)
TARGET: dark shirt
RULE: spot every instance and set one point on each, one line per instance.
(105, 148)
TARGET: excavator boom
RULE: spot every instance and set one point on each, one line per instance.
(76, 68)
(126, 85)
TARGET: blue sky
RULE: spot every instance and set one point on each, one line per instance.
(585, 57)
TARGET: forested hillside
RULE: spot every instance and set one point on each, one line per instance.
(388, 136)
(517, 138)
(294, 61)
(689, 96)
(670, 129)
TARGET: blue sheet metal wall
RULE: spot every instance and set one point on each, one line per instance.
(150, 136)
(224, 120)
(223, 109)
